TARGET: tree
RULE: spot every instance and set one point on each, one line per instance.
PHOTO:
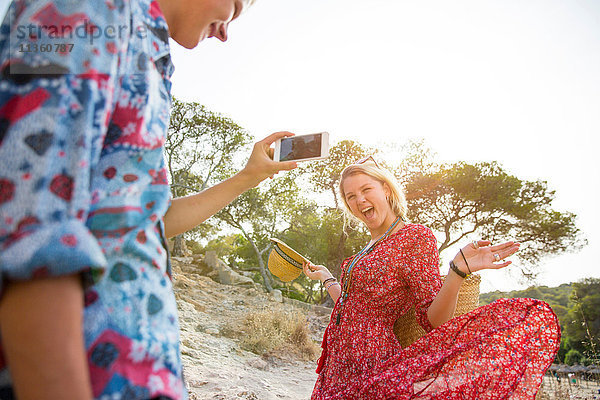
(583, 327)
(315, 233)
(483, 200)
(263, 212)
(573, 357)
(201, 150)
(577, 306)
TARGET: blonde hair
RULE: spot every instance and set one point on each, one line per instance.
(396, 199)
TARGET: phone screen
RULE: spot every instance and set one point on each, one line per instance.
(298, 147)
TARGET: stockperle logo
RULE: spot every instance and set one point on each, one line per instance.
(83, 29)
(48, 40)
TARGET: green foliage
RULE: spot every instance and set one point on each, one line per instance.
(264, 212)
(224, 247)
(555, 296)
(463, 200)
(584, 317)
(577, 306)
(586, 361)
(324, 175)
(201, 149)
(562, 351)
(458, 200)
(573, 357)
(324, 227)
(194, 247)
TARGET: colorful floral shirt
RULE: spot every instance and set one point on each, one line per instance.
(84, 111)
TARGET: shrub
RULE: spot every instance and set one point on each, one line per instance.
(573, 357)
(275, 332)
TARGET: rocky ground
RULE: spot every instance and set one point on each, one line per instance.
(215, 365)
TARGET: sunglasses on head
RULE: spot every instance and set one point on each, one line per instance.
(365, 159)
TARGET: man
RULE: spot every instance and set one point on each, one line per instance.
(87, 308)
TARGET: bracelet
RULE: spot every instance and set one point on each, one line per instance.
(458, 272)
(465, 258)
(331, 284)
(327, 280)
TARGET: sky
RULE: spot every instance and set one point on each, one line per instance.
(513, 81)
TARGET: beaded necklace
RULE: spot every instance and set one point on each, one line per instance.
(348, 275)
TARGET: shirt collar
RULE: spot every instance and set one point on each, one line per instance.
(158, 34)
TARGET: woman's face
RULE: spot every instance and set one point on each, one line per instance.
(367, 199)
(191, 21)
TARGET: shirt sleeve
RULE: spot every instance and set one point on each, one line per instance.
(54, 109)
(423, 274)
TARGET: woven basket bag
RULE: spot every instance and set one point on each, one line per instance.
(407, 329)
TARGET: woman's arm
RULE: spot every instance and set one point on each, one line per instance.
(321, 273)
(443, 306)
(42, 338)
(185, 213)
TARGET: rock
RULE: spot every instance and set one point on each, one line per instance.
(212, 331)
(225, 274)
(321, 310)
(246, 273)
(181, 260)
(277, 295)
(258, 363)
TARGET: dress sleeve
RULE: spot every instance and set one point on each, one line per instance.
(423, 273)
(54, 109)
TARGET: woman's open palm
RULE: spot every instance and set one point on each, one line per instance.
(481, 255)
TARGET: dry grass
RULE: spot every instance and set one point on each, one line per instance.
(275, 332)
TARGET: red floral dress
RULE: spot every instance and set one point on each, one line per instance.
(498, 351)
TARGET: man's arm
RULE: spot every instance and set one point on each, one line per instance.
(187, 212)
(42, 337)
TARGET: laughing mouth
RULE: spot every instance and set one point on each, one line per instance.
(368, 212)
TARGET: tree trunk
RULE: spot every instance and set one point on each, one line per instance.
(179, 247)
(309, 295)
(263, 270)
(261, 263)
(339, 253)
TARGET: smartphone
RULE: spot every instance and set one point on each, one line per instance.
(302, 147)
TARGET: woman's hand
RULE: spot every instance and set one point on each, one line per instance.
(261, 165)
(481, 255)
(316, 272)
(321, 273)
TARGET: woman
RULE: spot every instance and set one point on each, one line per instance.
(498, 351)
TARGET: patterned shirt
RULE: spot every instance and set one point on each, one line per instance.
(84, 111)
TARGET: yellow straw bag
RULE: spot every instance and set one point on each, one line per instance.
(284, 262)
(408, 330)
